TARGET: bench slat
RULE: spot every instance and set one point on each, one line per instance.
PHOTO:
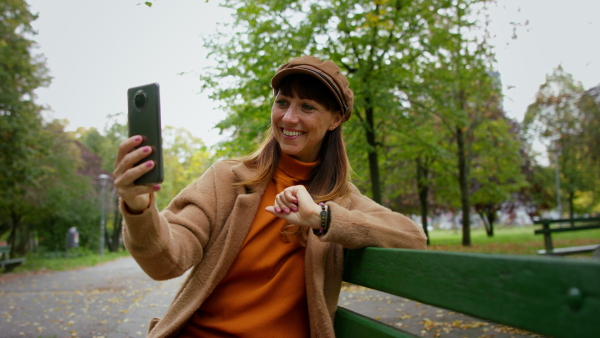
(349, 324)
(568, 220)
(547, 295)
(570, 250)
(12, 261)
(567, 229)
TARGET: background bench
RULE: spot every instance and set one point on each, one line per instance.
(551, 296)
(570, 224)
(6, 263)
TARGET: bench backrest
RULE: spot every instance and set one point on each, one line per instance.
(553, 296)
(569, 220)
(578, 224)
(4, 248)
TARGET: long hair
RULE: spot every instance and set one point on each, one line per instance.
(330, 178)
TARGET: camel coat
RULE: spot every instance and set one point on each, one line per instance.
(205, 225)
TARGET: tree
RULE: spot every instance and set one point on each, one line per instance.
(21, 73)
(589, 106)
(458, 90)
(377, 44)
(497, 170)
(65, 196)
(185, 159)
(555, 118)
(105, 145)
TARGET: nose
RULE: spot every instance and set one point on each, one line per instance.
(291, 115)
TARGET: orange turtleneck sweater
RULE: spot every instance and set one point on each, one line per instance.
(264, 293)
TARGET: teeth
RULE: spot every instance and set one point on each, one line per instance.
(292, 133)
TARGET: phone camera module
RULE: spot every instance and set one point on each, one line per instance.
(139, 100)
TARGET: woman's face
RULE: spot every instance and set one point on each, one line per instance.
(300, 125)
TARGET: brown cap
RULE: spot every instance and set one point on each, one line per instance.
(326, 71)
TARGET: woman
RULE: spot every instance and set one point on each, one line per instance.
(263, 235)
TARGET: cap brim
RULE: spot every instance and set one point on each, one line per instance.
(276, 80)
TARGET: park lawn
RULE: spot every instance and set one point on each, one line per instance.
(516, 240)
(60, 262)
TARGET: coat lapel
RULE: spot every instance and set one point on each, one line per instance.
(314, 265)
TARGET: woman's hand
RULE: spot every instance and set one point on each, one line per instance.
(296, 206)
(136, 197)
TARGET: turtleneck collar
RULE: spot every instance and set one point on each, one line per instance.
(294, 168)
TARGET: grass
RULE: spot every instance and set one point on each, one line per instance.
(506, 240)
(59, 261)
(516, 240)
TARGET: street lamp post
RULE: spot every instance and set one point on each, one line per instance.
(103, 179)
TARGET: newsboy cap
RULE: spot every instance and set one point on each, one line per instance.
(327, 72)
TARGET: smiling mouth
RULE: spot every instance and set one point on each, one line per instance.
(287, 132)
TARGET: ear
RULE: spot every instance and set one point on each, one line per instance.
(337, 119)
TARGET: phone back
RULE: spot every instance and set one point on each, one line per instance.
(144, 119)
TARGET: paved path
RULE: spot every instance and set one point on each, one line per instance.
(117, 299)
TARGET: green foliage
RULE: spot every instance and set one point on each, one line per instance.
(423, 83)
(20, 121)
(564, 120)
(62, 261)
(60, 197)
(185, 160)
(106, 143)
(104, 146)
(382, 46)
(65, 198)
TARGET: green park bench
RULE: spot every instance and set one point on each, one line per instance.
(6, 263)
(545, 295)
(569, 224)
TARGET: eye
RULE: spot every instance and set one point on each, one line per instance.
(282, 103)
(307, 106)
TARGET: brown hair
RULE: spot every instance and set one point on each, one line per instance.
(330, 178)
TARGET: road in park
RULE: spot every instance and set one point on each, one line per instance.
(116, 299)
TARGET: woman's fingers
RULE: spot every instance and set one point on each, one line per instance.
(136, 197)
(126, 147)
(126, 171)
(286, 200)
(295, 205)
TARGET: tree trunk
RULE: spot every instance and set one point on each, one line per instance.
(423, 188)
(373, 158)
(571, 211)
(481, 214)
(463, 176)
(12, 238)
(491, 216)
(487, 212)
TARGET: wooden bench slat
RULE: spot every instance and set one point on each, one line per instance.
(567, 229)
(570, 250)
(349, 324)
(12, 261)
(546, 295)
(568, 220)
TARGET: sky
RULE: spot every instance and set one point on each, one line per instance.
(95, 50)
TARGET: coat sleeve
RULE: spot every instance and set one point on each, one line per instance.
(168, 243)
(361, 222)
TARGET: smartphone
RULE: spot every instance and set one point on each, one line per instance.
(143, 119)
